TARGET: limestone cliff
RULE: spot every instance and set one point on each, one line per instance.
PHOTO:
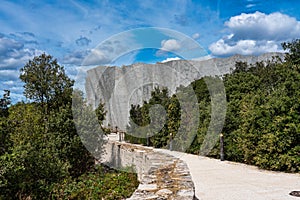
(119, 87)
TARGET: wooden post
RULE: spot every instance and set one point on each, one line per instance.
(148, 139)
(122, 136)
(171, 141)
(221, 147)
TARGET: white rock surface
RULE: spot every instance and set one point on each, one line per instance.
(119, 87)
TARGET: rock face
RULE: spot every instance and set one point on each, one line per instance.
(119, 87)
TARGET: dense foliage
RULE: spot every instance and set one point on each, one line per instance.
(46, 82)
(5, 103)
(140, 117)
(41, 152)
(262, 124)
(99, 183)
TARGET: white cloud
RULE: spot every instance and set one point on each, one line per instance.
(258, 26)
(9, 75)
(13, 55)
(17, 59)
(7, 45)
(24, 37)
(112, 48)
(75, 57)
(170, 45)
(9, 83)
(96, 57)
(196, 36)
(244, 47)
(256, 33)
(250, 5)
(170, 59)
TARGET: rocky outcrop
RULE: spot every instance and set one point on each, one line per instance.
(119, 87)
(161, 176)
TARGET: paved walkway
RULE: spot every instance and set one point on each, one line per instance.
(224, 180)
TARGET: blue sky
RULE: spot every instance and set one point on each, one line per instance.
(69, 30)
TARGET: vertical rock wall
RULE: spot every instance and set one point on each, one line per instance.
(119, 87)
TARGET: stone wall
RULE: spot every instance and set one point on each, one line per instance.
(161, 176)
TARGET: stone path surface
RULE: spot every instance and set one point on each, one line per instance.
(224, 180)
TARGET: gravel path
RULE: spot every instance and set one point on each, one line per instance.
(224, 180)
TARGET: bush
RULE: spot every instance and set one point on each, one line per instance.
(101, 183)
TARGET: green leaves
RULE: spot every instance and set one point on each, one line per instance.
(100, 112)
(46, 82)
(5, 102)
(264, 122)
(100, 183)
(32, 162)
(294, 51)
(154, 114)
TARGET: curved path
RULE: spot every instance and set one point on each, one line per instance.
(224, 180)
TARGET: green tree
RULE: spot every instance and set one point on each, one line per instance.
(159, 97)
(87, 125)
(5, 102)
(32, 163)
(101, 116)
(46, 82)
(4, 133)
(68, 144)
(293, 48)
(101, 112)
(140, 117)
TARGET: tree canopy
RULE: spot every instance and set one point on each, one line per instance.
(46, 81)
(293, 49)
(5, 102)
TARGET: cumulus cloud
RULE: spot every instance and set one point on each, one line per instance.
(9, 75)
(256, 33)
(170, 59)
(24, 37)
(170, 45)
(244, 47)
(8, 45)
(14, 53)
(17, 58)
(258, 26)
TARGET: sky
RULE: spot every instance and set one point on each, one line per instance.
(71, 31)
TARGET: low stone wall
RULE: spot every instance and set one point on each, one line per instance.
(161, 176)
